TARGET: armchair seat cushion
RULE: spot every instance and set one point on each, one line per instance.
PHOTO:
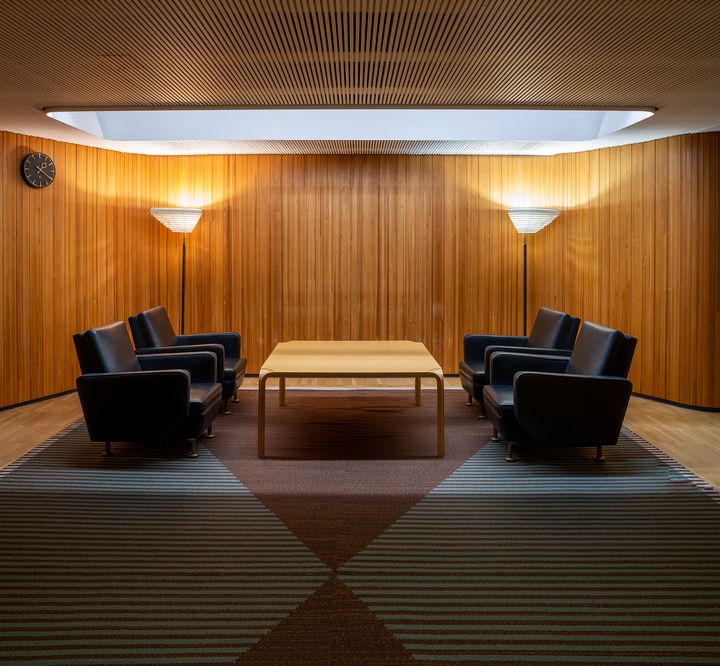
(474, 371)
(500, 410)
(500, 399)
(204, 397)
(472, 378)
(234, 367)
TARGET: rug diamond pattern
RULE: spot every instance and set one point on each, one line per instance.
(342, 467)
(352, 544)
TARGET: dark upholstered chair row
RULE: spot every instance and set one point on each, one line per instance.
(578, 400)
(146, 398)
(153, 333)
(553, 332)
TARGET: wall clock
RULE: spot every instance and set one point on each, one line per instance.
(38, 170)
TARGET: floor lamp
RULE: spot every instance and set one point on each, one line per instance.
(529, 221)
(183, 221)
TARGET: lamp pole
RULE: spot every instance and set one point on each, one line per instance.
(179, 220)
(529, 221)
(182, 297)
(524, 246)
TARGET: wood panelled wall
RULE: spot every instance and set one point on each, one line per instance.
(343, 247)
(78, 253)
(637, 247)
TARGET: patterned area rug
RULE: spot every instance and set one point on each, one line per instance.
(351, 544)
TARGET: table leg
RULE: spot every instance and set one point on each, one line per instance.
(261, 417)
(418, 391)
(440, 417)
(282, 391)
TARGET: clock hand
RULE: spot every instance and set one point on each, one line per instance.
(43, 172)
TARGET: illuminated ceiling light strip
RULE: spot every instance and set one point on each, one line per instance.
(363, 124)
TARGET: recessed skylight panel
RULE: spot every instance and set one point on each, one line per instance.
(352, 124)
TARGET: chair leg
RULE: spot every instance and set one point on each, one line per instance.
(225, 411)
(469, 400)
(209, 434)
(235, 395)
(496, 437)
(481, 413)
(108, 449)
(599, 457)
(509, 453)
(193, 448)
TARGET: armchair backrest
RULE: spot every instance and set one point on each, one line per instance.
(601, 351)
(106, 349)
(156, 328)
(553, 330)
(84, 354)
(137, 332)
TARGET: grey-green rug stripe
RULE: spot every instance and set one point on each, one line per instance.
(553, 559)
(146, 557)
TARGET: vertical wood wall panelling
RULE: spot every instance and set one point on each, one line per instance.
(657, 221)
(9, 311)
(349, 247)
(79, 253)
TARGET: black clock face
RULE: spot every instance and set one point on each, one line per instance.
(38, 170)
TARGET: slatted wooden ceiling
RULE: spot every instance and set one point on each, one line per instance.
(116, 53)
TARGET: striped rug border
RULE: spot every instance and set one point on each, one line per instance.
(707, 487)
(692, 477)
(29, 455)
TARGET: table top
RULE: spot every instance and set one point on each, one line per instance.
(351, 358)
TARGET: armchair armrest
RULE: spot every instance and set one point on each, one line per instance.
(474, 344)
(536, 351)
(505, 365)
(230, 341)
(217, 350)
(571, 409)
(202, 366)
(117, 406)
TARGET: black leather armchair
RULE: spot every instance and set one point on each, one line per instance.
(153, 333)
(158, 397)
(575, 401)
(553, 333)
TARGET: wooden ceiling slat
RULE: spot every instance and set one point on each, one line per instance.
(361, 53)
(414, 47)
(348, 46)
(330, 56)
(366, 53)
(392, 49)
(234, 22)
(444, 42)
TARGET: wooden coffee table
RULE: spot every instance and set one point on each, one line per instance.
(366, 358)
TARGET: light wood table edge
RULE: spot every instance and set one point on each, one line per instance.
(418, 376)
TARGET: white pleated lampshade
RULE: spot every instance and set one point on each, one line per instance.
(182, 220)
(531, 220)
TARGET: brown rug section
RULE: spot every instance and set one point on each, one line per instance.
(343, 466)
(331, 627)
